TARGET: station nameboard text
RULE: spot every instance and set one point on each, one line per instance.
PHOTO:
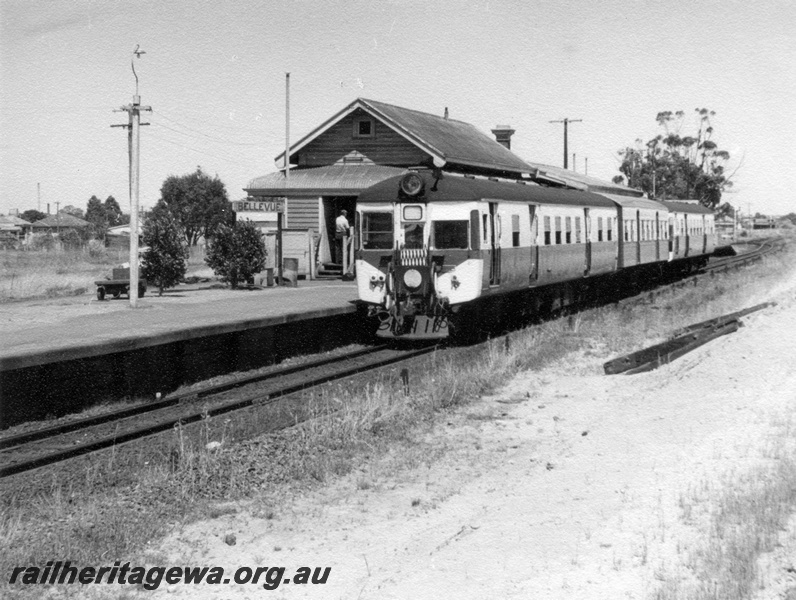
(260, 204)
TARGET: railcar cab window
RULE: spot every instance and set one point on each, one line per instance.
(377, 231)
(450, 235)
(413, 229)
(547, 240)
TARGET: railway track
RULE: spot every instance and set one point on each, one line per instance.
(38, 448)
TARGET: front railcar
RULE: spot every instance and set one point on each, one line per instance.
(418, 257)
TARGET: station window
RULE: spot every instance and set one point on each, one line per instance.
(450, 235)
(515, 230)
(558, 230)
(377, 231)
(577, 230)
(547, 240)
(568, 230)
(364, 127)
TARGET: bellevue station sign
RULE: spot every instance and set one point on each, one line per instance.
(260, 204)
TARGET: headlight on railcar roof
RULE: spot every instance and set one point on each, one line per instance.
(413, 279)
(412, 184)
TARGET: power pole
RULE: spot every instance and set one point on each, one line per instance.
(134, 149)
(58, 218)
(566, 122)
(587, 165)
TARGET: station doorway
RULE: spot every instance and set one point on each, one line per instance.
(331, 207)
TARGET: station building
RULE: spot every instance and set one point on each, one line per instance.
(365, 143)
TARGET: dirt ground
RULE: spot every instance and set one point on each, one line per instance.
(565, 484)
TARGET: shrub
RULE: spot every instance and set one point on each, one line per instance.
(165, 260)
(236, 252)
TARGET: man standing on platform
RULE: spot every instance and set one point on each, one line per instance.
(341, 232)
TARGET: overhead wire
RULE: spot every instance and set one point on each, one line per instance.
(202, 133)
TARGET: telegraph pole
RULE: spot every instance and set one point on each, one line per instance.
(134, 149)
(566, 122)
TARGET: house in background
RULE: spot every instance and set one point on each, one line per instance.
(59, 223)
(13, 230)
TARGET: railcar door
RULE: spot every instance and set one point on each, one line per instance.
(534, 248)
(638, 237)
(686, 236)
(657, 236)
(494, 226)
(587, 240)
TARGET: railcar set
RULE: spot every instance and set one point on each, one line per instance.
(439, 252)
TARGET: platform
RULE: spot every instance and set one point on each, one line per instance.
(60, 355)
(37, 332)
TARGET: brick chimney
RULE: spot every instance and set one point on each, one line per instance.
(503, 135)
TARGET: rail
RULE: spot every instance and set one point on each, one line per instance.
(52, 445)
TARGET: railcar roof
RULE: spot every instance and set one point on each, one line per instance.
(456, 188)
(686, 207)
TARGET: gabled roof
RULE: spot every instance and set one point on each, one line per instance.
(14, 220)
(448, 141)
(61, 220)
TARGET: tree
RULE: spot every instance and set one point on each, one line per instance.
(236, 252)
(73, 210)
(113, 212)
(198, 202)
(165, 260)
(32, 215)
(725, 210)
(791, 217)
(95, 215)
(671, 166)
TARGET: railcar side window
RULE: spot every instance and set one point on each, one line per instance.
(609, 229)
(599, 229)
(547, 239)
(568, 232)
(558, 230)
(450, 235)
(377, 231)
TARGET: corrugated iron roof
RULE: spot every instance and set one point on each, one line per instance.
(686, 206)
(632, 202)
(456, 141)
(337, 178)
(446, 140)
(61, 220)
(579, 180)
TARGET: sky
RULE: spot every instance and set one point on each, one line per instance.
(214, 74)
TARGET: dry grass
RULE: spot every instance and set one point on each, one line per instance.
(117, 502)
(47, 274)
(735, 520)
